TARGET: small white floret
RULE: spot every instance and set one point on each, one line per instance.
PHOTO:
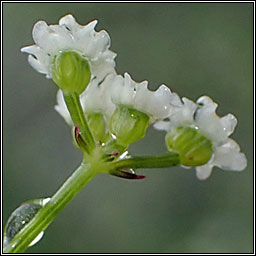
(50, 40)
(201, 115)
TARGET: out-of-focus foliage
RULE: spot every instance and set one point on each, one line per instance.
(194, 48)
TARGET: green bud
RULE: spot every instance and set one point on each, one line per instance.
(71, 72)
(97, 125)
(193, 147)
(128, 125)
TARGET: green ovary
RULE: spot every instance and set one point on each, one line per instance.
(71, 72)
(128, 125)
(194, 148)
(97, 125)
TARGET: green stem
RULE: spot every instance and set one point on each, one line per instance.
(47, 214)
(166, 160)
(77, 115)
(76, 182)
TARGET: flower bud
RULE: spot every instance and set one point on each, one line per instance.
(193, 147)
(71, 72)
(128, 125)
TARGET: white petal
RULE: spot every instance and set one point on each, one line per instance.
(101, 68)
(162, 125)
(93, 44)
(34, 50)
(100, 42)
(162, 102)
(175, 100)
(61, 108)
(69, 22)
(157, 104)
(109, 56)
(231, 144)
(228, 123)
(208, 103)
(229, 157)
(123, 91)
(37, 59)
(188, 109)
(90, 26)
(183, 115)
(211, 124)
(85, 33)
(52, 38)
(128, 81)
(40, 29)
(37, 65)
(204, 171)
(127, 95)
(142, 97)
(97, 98)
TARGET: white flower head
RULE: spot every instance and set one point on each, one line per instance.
(156, 104)
(70, 36)
(226, 152)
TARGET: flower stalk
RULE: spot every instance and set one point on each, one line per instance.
(78, 117)
(158, 161)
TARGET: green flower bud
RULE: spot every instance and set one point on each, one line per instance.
(97, 125)
(193, 147)
(71, 72)
(128, 125)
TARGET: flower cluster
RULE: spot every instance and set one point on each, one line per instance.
(120, 109)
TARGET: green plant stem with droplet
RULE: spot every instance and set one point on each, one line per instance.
(93, 164)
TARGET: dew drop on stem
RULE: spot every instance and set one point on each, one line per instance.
(21, 217)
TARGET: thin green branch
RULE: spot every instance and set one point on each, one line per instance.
(78, 117)
(166, 160)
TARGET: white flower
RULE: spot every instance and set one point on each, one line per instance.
(202, 116)
(157, 105)
(70, 36)
(95, 99)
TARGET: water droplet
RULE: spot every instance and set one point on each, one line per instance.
(37, 239)
(21, 217)
(113, 136)
(132, 171)
(124, 155)
(44, 201)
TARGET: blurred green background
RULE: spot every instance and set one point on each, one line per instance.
(194, 48)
